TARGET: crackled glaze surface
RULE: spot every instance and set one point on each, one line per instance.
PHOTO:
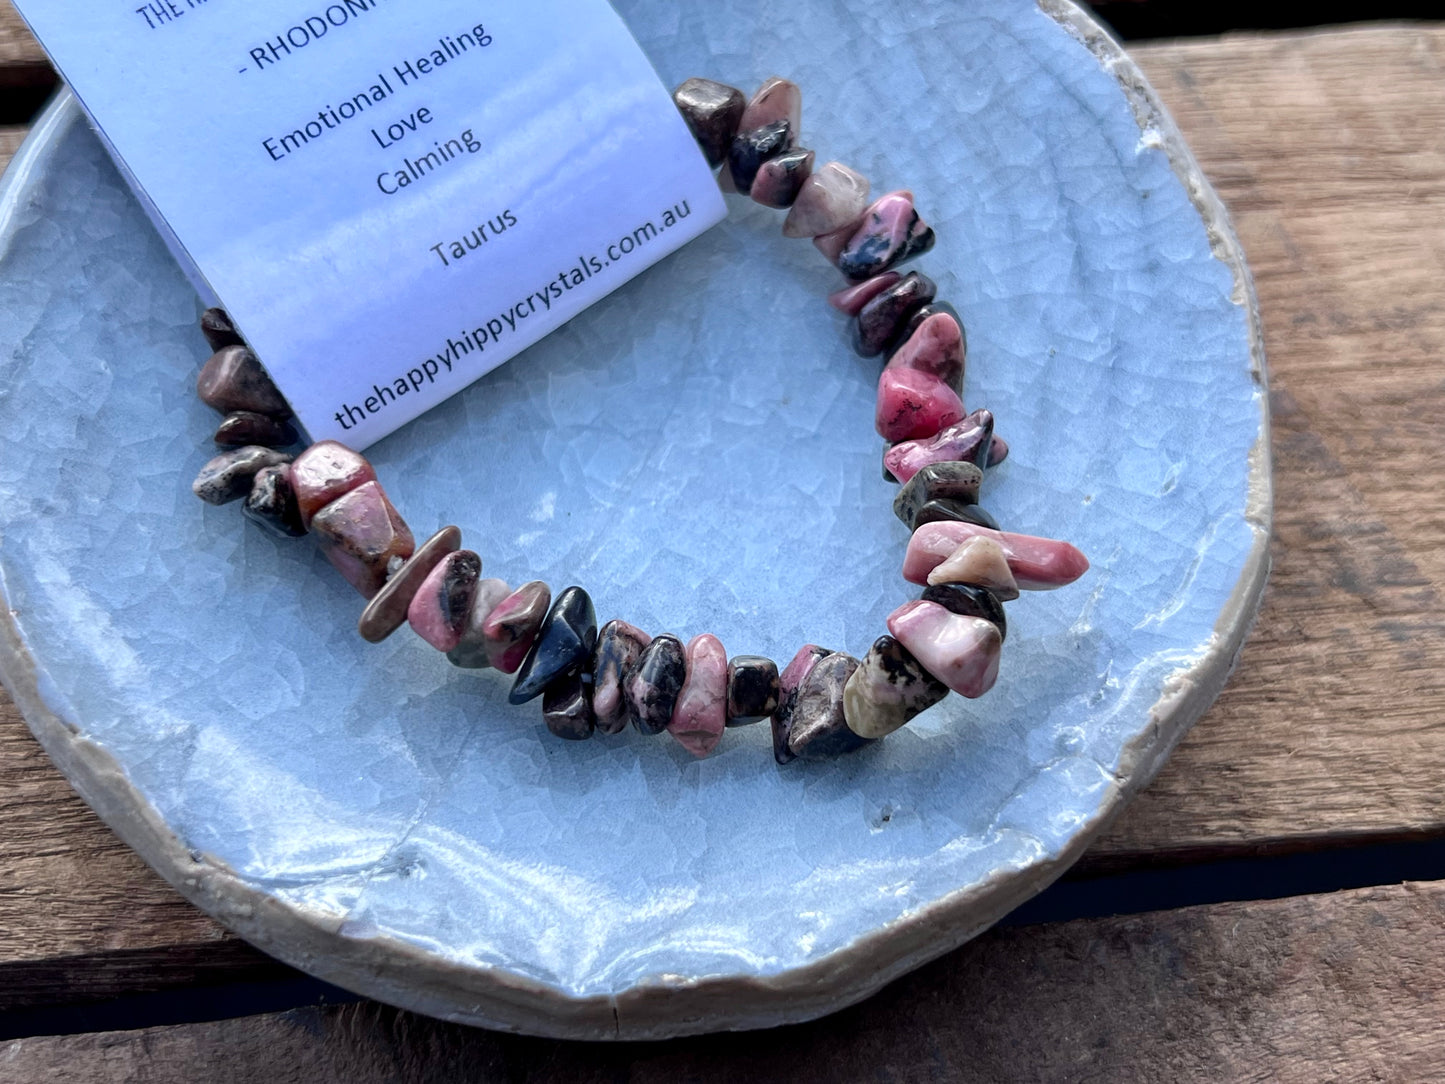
(388, 822)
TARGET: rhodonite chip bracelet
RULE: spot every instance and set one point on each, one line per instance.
(824, 702)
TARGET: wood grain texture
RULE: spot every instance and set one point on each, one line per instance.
(10, 140)
(1326, 148)
(17, 47)
(1348, 986)
(82, 918)
(22, 61)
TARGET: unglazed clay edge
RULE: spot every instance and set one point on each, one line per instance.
(679, 1005)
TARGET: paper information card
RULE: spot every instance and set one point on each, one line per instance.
(391, 197)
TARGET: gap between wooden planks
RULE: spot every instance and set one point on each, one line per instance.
(1324, 146)
(1345, 986)
(25, 74)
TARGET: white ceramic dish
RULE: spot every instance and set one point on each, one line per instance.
(697, 451)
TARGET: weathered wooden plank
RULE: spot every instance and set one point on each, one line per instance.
(1349, 986)
(17, 47)
(1327, 730)
(25, 73)
(81, 916)
(10, 140)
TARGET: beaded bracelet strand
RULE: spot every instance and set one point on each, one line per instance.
(823, 703)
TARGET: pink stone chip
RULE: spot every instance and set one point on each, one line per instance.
(386, 612)
(913, 405)
(325, 471)
(832, 200)
(962, 652)
(1038, 564)
(831, 245)
(889, 217)
(935, 347)
(798, 669)
(890, 231)
(471, 650)
(998, 452)
(512, 625)
(700, 714)
(980, 562)
(619, 647)
(777, 99)
(851, 299)
(789, 682)
(440, 608)
(779, 179)
(361, 533)
(960, 441)
(234, 379)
